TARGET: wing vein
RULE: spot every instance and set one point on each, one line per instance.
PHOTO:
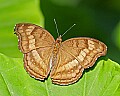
(70, 54)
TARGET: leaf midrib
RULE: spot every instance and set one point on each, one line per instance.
(47, 90)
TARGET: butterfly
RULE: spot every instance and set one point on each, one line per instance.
(63, 61)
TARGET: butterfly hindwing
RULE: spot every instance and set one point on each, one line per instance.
(67, 69)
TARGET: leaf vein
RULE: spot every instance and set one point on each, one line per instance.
(6, 84)
(93, 82)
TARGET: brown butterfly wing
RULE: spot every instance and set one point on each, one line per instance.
(74, 56)
(36, 44)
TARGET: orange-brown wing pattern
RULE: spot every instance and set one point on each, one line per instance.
(67, 69)
(37, 62)
(32, 36)
(74, 56)
(36, 44)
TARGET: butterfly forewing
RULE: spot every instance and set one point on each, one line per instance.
(75, 55)
(88, 49)
(32, 36)
(36, 44)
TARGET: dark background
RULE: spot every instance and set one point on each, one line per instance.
(98, 19)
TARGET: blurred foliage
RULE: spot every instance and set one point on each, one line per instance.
(94, 18)
(116, 35)
(14, 12)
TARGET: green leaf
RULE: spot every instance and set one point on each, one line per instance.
(103, 79)
(14, 12)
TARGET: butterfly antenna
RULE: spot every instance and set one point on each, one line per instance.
(56, 27)
(68, 29)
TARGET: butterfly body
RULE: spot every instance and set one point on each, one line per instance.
(64, 61)
(57, 45)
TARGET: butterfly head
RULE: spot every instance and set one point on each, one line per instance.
(59, 39)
